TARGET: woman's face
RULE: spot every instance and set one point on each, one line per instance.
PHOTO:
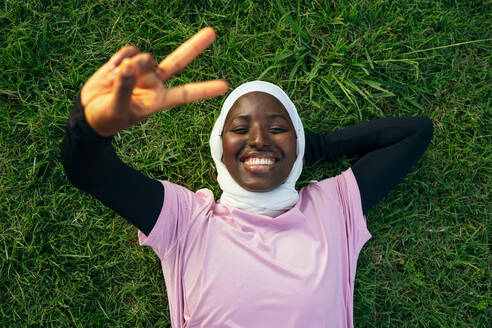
(259, 142)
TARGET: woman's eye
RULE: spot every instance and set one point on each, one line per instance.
(240, 130)
(277, 130)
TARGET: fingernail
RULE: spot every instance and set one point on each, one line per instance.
(112, 76)
(127, 72)
(114, 72)
(111, 67)
(129, 69)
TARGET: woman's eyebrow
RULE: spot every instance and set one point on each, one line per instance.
(241, 117)
(274, 116)
(271, 118)
(237, 118)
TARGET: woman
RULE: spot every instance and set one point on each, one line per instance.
(264, 255)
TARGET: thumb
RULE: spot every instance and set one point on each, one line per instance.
(123, 86)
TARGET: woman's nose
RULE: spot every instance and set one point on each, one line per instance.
(258, 138)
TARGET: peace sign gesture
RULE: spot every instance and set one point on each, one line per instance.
(130, 87)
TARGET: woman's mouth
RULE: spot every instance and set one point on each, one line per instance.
(259, 164)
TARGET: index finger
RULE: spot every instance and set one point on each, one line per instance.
(185, 53)
(190, 92)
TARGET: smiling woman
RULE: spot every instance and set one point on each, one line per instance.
(259, 142)
(265, 254)
(258, 124)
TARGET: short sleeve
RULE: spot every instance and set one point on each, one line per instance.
(179, 208)
(355, 220)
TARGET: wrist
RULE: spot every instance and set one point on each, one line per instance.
(87, 124)
(97, 125)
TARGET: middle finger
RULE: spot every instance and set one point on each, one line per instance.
(185, 53)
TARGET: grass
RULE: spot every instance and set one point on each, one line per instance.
(66, 261)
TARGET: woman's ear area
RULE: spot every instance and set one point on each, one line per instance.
(222, 143)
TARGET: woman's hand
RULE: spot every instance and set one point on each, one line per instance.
(129, 87)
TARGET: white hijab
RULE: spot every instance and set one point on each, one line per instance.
(271, 203)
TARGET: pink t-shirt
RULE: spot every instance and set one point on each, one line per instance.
(224, 267)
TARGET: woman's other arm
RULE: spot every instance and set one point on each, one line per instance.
(123, 92)
(389, 147)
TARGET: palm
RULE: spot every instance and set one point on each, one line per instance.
(149, 98)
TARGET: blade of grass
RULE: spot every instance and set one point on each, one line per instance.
(332, 97)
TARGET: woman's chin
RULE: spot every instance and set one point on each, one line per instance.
(257, 186)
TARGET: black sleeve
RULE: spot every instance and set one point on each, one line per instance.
(389, 147)
(91, 164)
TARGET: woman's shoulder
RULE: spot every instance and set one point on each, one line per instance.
(182, 194)
(333, 187)
(329, 182)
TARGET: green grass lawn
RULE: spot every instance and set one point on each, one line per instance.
(67, 261)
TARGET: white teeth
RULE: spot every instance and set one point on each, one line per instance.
(259, 161)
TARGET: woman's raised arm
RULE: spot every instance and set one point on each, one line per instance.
(389, 147)
(123, 92)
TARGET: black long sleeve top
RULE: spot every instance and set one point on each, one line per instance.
(388, 147)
